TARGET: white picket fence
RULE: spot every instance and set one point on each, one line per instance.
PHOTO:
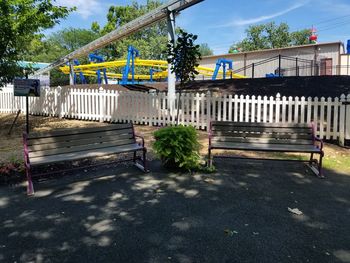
(332, 115)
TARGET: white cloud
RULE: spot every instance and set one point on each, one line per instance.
(243, 22)
(85, 8)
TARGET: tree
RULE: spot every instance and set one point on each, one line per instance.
(183, 57)
(277, 35)
(151, 41)
(300, 37)
(56, 46)
(270, 35)
(20, 23)
(205, 50)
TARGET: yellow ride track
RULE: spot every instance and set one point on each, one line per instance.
(110, 66)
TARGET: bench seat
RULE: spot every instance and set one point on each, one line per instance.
(84, 154)
(266, 137)
(74, 144)
(266, 147)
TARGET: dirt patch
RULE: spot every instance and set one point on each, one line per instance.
(11, 146)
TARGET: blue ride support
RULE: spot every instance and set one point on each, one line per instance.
(222, 62)
(132, 54)
(98, 59)
(81, 75)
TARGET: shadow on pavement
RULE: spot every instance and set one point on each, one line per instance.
(238, 214)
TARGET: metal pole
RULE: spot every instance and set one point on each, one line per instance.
(279, 65)
(27, 114)
(71, 73)
(171, 76)
(253, 66)
(296, 67)
(27, 110)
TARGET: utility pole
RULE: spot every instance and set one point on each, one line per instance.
(171, 76)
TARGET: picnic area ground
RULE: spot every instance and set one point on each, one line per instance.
(116, 213)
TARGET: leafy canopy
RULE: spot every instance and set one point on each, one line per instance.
(56, 46)
(270, 35)
(205, 50)
(20, 22)
(183, 57)
(151, 41)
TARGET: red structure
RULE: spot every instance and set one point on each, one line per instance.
(313, 37)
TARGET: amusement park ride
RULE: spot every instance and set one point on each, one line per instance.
(124, 70)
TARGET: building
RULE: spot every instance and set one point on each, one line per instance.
(306, 60)
(44, 78)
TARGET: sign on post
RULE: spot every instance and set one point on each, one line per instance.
(27, 87)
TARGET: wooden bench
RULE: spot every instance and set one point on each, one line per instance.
(73, 144)
(266, 137)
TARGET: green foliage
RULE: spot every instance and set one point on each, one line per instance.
(205, 50)
(184, 57)
(270, 35)
(56, 46)
(300, 37)
(178, 147)
(20, 22)
(151, 41)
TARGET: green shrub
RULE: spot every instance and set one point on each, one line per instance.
(178, 147)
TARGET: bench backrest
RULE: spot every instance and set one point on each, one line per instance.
(82, 139)
(269, 133)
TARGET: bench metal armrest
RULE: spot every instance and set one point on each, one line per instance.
(142, 139)
(320, 142)
(26, 152)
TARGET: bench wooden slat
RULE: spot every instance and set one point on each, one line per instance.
(69, 137)
(80, 131)
(84, 141)
(305, 136)
(84, 154)
(91, 147)
(260, 124)
(262, 140)
(266, 147)
(262, 129)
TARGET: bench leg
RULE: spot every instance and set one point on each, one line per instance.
(144, 153)
(210, 159)
(143, 167)
(311, 158)
(30, 187)
(316, 165)
(320, 165)
(134, 157)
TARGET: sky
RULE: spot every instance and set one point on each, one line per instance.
(220, 23)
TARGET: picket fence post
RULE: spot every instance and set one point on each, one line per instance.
(101, 100)
(342, 120)
(347, 121)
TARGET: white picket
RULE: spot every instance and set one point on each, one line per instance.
(347, 120)
(258, 119)
(331, 116)
(247, 104)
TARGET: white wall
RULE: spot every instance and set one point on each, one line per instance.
(309, 52)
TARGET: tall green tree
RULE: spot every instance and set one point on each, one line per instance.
(300, 37)
(20, 22)
(58, 45)
(270, 35)
(183, 57)
(205, 50)
(151, 41)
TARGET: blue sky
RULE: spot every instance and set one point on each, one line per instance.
(223, 22)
